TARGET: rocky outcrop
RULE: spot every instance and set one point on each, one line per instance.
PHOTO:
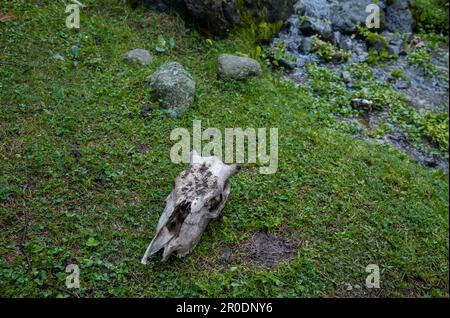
(219, 16)
(344, 15)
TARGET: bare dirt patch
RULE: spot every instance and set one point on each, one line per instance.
(268, 250)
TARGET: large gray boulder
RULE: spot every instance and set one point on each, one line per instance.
(348, 14)
(232, 67)
(399, 16)
(173, 86)
(320, 9)
(219, 16)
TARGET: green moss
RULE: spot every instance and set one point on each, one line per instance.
(257, 27)
(263, 30)
(372, 38)
(328, 51)
(397, 74)
(377, 44)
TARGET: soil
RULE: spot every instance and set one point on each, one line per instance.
(268, 250)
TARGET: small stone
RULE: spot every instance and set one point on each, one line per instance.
(362, 104)
(346, 43)
(146, 112)
(198, 265)
(393, 49)
(58, 57)
(379, 45)
(306, 45)
(226, 253)
(140, 56)
(232, 67)
(401, 84)
(346, 77)
(337, 37)
(402, 52)
(74, 51)
(417, 42)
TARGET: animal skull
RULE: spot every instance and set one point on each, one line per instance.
(199, 195)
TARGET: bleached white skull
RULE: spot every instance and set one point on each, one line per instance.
(199, 195)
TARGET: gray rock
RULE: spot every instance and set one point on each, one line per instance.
(346, 43)
(378, 44)
(362, 104)
(226, 254)
(401, 84)
(288, 65)
(393, 49)
(348, 14)
(337, 37)
(306, 45)
(140, 56)
(313, 8)
(198, 265)
(310, 26)
(396, 43)
(398, 16)
(173, 86)
(346, 77)
(232, 67)
(58, 57)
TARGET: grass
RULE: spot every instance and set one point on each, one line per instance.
(90, 173)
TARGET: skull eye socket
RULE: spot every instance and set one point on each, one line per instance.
(172, 225)
(177, 218)
(215, 202)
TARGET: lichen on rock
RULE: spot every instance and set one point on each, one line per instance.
(173, 86)
(232, 67)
